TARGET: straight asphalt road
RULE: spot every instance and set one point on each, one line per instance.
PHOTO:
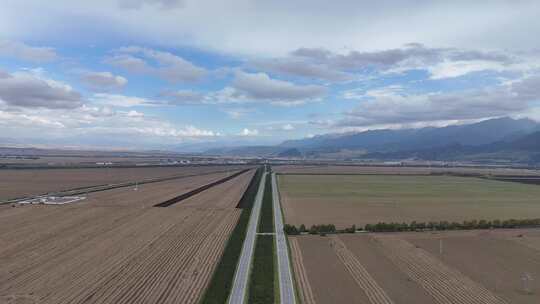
(286, 285)
(241, 277)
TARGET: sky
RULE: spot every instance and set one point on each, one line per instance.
(189, 75)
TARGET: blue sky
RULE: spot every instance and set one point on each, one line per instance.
(181, 74)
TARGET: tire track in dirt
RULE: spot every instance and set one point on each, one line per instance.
(373, 291)
(306, 293)
(446, 285)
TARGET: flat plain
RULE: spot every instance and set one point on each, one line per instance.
(401, 170)
(482, 266)
(115, 247)
(15, 183)
(344, 200)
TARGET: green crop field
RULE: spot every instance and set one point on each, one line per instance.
(344, 200)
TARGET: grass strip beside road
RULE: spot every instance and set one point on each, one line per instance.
(220, 286)
(266, 221)
(247, 200)
(262, 281)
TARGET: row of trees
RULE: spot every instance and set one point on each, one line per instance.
(316, 229)
(417, 226)
(445, 225)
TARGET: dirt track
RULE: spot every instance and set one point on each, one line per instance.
(115, 247)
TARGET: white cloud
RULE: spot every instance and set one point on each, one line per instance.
(117, 100)
(166, 131)
(287, 127)
(102, 81)
(30, 90)
(134, 113)
(162, 4)
(260, 87)
(303, 68)
(19, 50)
(248, 132)
(448, 69)
(14, 119)
(99, 124)
(345, 66)
(164, 65)
(237, 113)
(184, 97)
(388, 107)
(251, 88)
(276, 27)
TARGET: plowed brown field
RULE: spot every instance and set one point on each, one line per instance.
(114, 247)
(499, 259)
(474, 267)
(27, 182)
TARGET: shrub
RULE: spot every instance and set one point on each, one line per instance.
(290, 229)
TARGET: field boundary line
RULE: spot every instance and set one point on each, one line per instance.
(364, 280)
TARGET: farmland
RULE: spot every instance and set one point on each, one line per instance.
(115, 247)
(26, 182)
(470, 267)
(355, 169)
(344, 200)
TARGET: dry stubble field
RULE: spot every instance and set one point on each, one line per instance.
(114, 247)
(474, 267)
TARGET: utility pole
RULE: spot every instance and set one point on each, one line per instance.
(527, 279)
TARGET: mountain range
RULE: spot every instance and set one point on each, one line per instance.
(495, 140)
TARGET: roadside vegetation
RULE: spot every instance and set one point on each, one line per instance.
(445, 225)
(262, 281)
(220, 286)
(416, 226)
(266, 221)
